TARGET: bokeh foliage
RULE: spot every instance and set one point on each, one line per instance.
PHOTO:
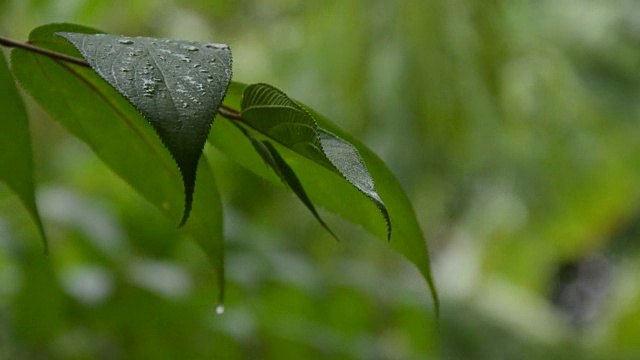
(512, 125)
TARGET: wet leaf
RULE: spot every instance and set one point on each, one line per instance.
(16, 163)
(176, 85)
(93, 111)
(271, 112)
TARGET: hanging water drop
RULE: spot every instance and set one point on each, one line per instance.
(220, 309)
(191, 48)
(125, 41)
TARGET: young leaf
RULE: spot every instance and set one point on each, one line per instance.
(16, 163)
(177, 86)
(329, 190)
(271, 112)
(96, 113)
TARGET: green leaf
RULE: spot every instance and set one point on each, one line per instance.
(16, 163)
(274, 160)
(92, 110)
(271, 112)
(408, 239)
(328, 189)
(177, 86)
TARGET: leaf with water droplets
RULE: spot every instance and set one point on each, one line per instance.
(271, 112)
(176, 85)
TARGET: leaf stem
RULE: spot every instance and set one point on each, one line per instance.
(52, 54)
(229, 113)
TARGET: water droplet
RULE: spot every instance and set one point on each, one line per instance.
(220, 309)
(183, 57)
(124, 69)
(196, 65)
(217, 46)
(191, 48)
(185, 104)
(125, 41)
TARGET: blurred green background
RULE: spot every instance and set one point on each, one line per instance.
(512, 125)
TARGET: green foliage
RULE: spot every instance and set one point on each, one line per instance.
(333, 193)
(511, 125)
(271, 112)
(119, 135)
(16, 164)
(178, 86)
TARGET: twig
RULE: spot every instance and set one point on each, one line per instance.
(52, 54)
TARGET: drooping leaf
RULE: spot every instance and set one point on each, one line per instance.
(177, 86)
(408, 238)
(16, 163)
(271, 112)
(272, 158)
(329, 190)
(92, 110)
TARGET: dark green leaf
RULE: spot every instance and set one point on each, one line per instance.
(271, 112)
(16, 163)
(97, 114)
(272, 158)
(177, 86)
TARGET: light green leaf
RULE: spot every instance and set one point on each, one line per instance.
(16, 163)
(329, 190)
(92, 110)
(271, 112)
(177, 86)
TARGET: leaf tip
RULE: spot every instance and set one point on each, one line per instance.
(187, 207)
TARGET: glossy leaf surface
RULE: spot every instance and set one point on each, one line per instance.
(92, 110)
(177, 86)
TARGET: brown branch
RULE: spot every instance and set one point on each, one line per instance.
(52, 54)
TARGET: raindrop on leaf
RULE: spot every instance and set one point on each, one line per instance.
(217, 46)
